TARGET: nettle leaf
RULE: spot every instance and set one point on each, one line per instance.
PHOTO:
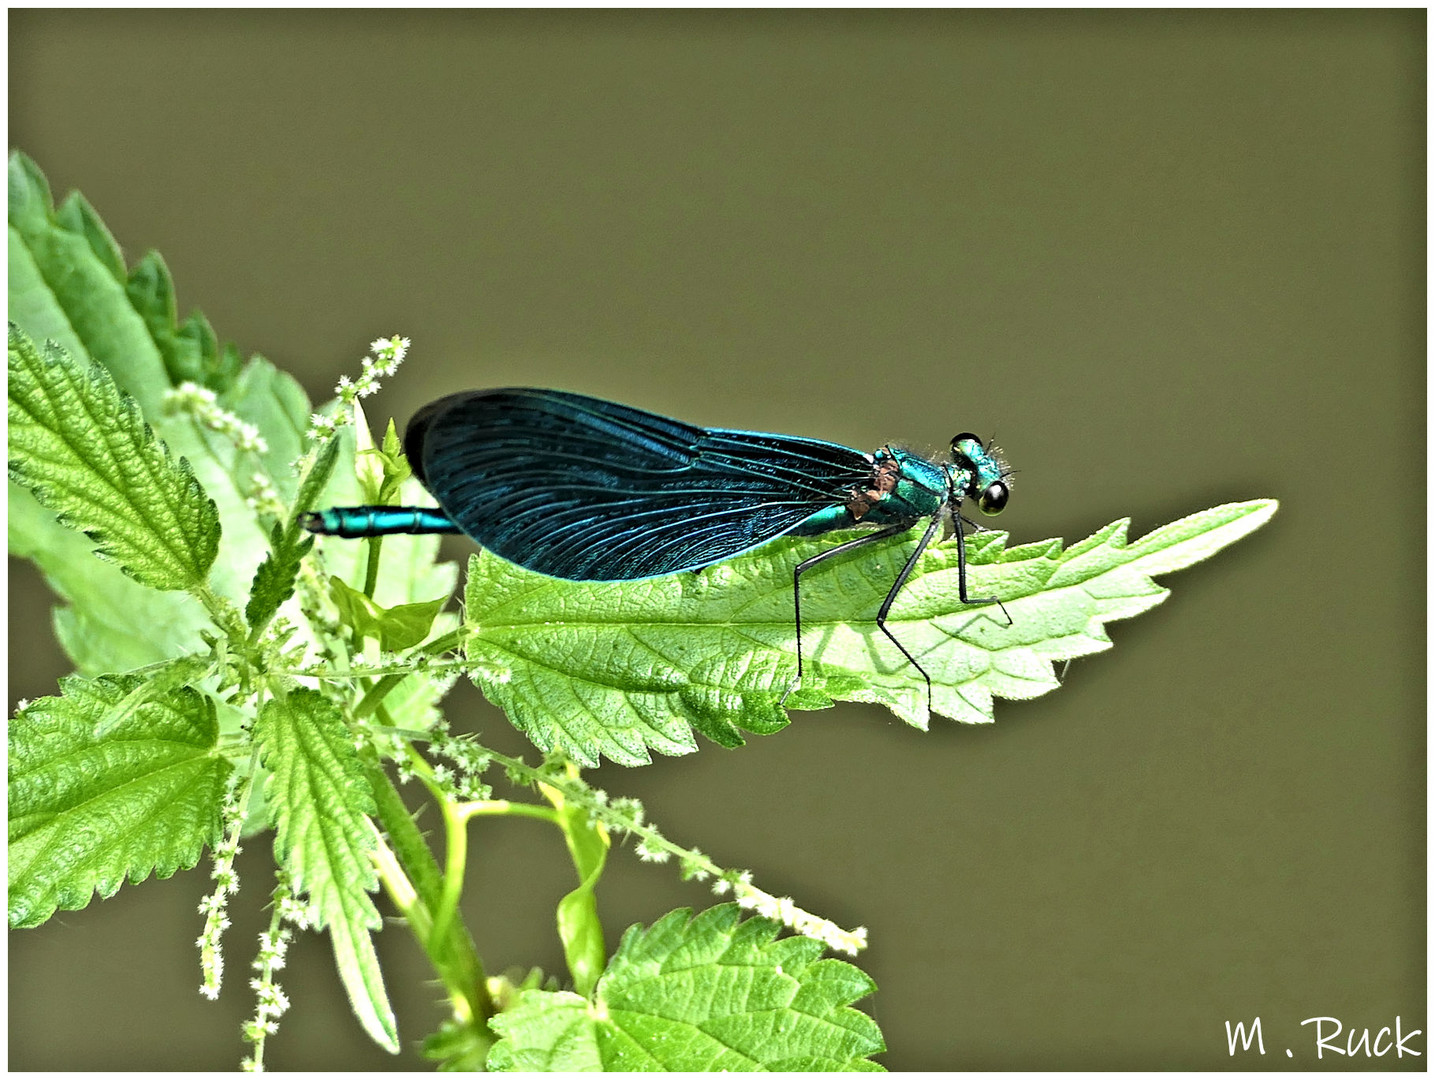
(88, 809)
(547, 1031)
(84, 450)
(621, 668)
(191, 352)
(157, 681)
(704, 995)
(275, 578)
(228, 473)
(68, 283)
(319, 799)
(395, 628)
(79, 217)
(278, 408)
(108, 621)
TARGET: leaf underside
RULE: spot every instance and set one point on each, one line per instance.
(319, 797)
(84, 451)
(619, 669)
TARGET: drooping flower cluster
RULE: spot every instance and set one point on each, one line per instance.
(625, 816)
(782, 909)
(270, 1000)
(202, 403)
(215, 906)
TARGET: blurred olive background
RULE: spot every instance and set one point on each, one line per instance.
(1170, 259)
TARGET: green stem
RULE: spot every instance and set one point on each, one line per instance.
(455, 819)
(374, 696)
(452, 954)
(455, 862)
(443, 644)
(399, 668)
(503, 806)
(371, 576)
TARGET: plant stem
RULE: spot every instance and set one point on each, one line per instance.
(371, 575)
(452, 954)
(503, 806)
(455, 862)
(376, 693)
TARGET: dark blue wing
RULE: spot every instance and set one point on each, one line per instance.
(589, 490)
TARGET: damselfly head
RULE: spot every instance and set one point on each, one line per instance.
(985, 473)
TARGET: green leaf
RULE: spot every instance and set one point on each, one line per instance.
(62, 290)
(190, 351)
(368, 462)
(277, 406)
(396, 466)
(547, 1031)
(710, 994)
(274, 580)
(88, 810)
(78, 216)
(315, 480)
(158, 681)
(394, 628)
(116, 624)
(67, 283)
(319, 798)
(622, 668)
(578, 925)
(83, 449)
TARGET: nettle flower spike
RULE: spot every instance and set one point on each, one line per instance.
(202, 404)
(386, 354)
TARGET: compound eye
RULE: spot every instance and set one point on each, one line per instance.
(993, 500)
(957, 440)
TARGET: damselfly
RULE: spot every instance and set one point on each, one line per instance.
(584, 489)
